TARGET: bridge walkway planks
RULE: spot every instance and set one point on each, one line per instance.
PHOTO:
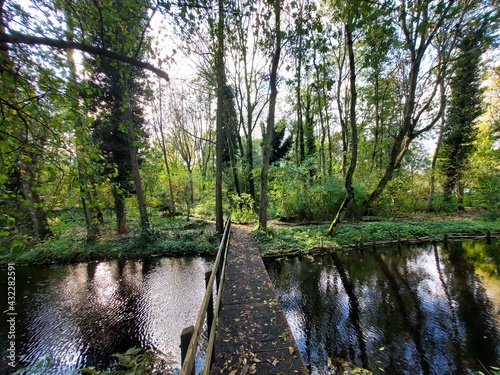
(253, 335)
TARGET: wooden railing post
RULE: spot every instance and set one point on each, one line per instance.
(190, 336)
(186, 335)
(210, 309)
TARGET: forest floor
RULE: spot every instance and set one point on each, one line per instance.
(177, 237)
(312, 239)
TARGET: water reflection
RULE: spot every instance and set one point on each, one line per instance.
(425, 310)
(79, 315)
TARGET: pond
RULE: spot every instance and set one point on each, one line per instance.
(421, 310)
(73, 316)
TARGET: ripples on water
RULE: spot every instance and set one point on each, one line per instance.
(426, 310)
(77, 316)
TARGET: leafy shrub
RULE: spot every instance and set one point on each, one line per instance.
(133, 362)
(242, 210)
(297, 193)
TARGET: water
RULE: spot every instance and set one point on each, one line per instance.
(73, 316)
(422, 310)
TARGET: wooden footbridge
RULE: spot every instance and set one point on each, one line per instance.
(249, 333)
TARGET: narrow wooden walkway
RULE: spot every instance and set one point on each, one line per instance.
(253, 336)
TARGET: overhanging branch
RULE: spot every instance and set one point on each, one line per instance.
(19, 38)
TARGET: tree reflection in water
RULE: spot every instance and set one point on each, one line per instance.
(79, 315)
(422, 310)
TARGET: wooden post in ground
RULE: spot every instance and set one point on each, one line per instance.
(445, 240)
(186, 335)
(488, 237)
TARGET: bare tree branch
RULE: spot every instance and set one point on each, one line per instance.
(19, 38)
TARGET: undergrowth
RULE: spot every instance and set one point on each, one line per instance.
(281, 237)
(165, 237)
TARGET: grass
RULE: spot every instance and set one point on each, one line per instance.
(177, 237)
(282, 238)
(165, 237)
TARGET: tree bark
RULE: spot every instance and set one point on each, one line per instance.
(430, 199)
(266, 148)
(349, 199)
(165, 159)
(219, 220)
(299, 141)
(19, 38)
(342, 120)
(232, 158)
(121, 220)
(27, 163)
(80, 142)
(134, 163)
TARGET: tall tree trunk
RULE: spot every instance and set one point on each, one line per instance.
(5, 62)
(121, 220)
(249, 165)
(165, 157)
(219, 220)
(27, 164)
(430, 198)
(250, 184)
(342, 120)
(403, 137)
(349, 199)
(134, 164)
(84, 182)
(167, 167)
(268, 137)
(321, 102)
(299, 141)
(377, 123)
(232, 160)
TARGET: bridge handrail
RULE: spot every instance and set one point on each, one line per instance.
(218, 269)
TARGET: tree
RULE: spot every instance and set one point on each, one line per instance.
(350, 25)
(27, 141)
(459, 131)
(120, 127)
(159, 128)
(270, 124)
(221, 84)
(83, 147)
(10, 36)
(250, 89)
(420, 25)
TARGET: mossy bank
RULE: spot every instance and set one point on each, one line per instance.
(284, 239)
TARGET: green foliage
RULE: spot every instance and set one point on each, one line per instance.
(407, 192)
(488, 194)
(465, 106)
(134, 361)
(493, 371)
(242, 209)
(165, 236)
(297, 194)
(42, 366)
